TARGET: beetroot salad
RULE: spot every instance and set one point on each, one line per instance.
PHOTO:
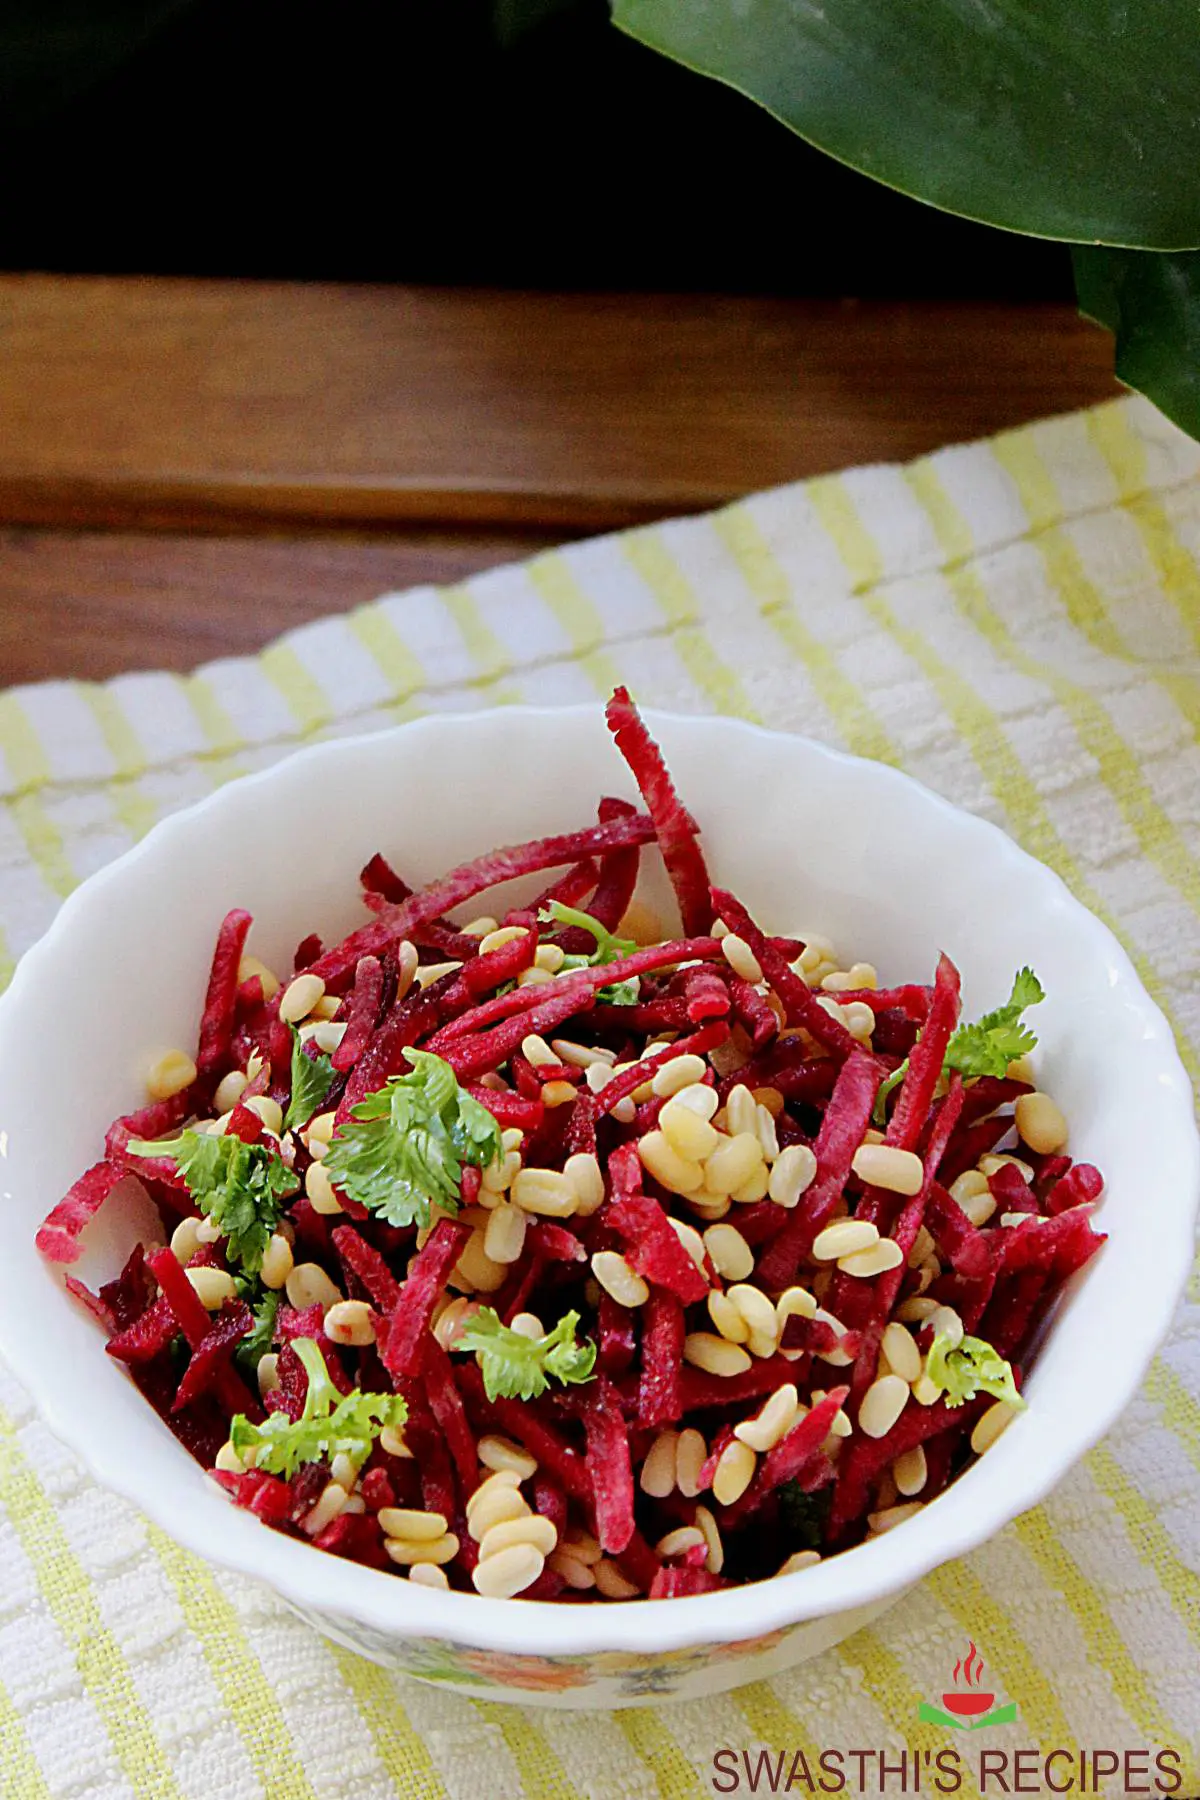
(547, 1255)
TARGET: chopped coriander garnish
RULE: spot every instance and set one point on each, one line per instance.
(988, 1046)
(983, 1048)
(405, 1145)
(516, 1367)
(608, 949)
(240, 1187)
(963, 1370)
(257, 1343)
(331, 1424)
(312, 1078)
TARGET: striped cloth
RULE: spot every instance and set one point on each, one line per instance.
(1017, 623)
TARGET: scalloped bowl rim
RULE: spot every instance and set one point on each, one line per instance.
(318, 1583)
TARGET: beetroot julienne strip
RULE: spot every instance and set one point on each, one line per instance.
(653, 1248)
(792, 1457)
(363, 1015)
(418, 1295)
(473, 878)
(193, 1321)
(58, 1237)
(629, 1080)
(368, 1265)
(925, 1064)
(146, 1337)
(674, 826)
(799, 1001)
(517, 1419)
(865, 1459)
(609, 1465)
(618, 873)
(659, 1395)
(213, 1355)
(220, 1005)
(583, 982)
(847, 1117)
(447, 1408)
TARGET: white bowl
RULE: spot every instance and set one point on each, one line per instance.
(813, 841)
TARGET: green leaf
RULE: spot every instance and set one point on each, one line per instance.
(405, 1145)
(312, 1078)
(1151, 304)
(803, 1515)
(608, 949)
(886, 1087)
(517, 1367)
(240, 1187)
(961, 1371)
(988, 1046)
(257, 1343)
(1070, 119)
(331, 1423)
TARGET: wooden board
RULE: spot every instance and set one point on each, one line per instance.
(200, 405)
(189, 468)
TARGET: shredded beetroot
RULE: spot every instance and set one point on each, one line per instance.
(699, 1044)
(473, 878)
(445, 1403)
(653, 1249)
(609, 1466)
(590, 1387)
(370, 1267)
(409, 1323)
(660, 1398)
(706, 996)
(145, 1337)
(674, 826)
(1081, 1183)
(673, 1583)
(215, 1353)
(220, 1005)
(800, 1004)
(925, 1065)
(846, 1119)
(58, 1238)
(618, 1340)
(363, 1015)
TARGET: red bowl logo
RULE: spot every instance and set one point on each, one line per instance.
(967, 1706)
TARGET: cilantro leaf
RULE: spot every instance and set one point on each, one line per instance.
(988, 1046)
(240, 1187)
(608, 949)
(257, 1343)
(405, 1145)
(804, 1515)
(331, 1423)
(961, 1371)
(516, 1367)
(312, 1078)
(983, 1048)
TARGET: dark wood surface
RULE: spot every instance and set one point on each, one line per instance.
(188, 468)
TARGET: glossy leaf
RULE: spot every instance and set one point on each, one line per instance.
(1073, 119)
(1151, 304)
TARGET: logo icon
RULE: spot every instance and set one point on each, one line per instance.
(968, 1705)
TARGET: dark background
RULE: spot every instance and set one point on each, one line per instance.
(402, 140)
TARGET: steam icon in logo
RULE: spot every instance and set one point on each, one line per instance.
(969, 1706)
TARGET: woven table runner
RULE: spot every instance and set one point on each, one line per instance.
(1016, 623)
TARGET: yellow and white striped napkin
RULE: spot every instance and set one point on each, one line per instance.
(1017, 623)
